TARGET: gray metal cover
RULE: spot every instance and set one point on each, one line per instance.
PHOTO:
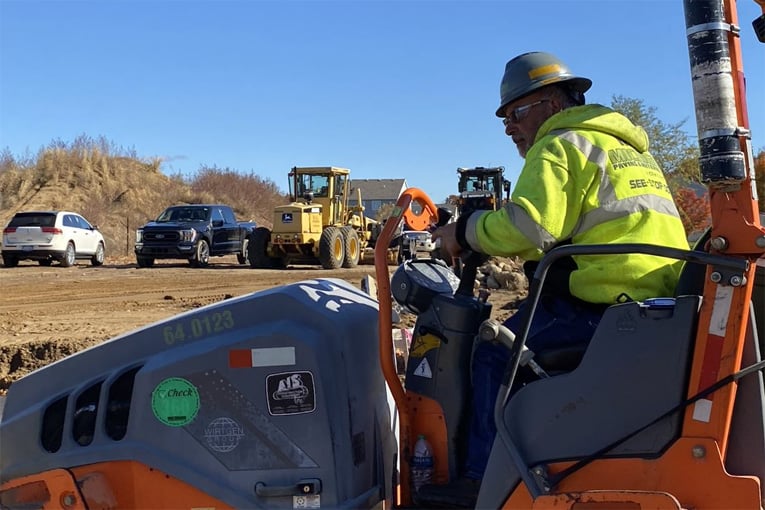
(273, 388)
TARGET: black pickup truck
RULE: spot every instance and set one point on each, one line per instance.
(194, 232)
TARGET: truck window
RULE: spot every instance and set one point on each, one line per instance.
(228, 215)
(217, 215)
(199, 214)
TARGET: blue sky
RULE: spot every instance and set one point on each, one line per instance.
(389, 89)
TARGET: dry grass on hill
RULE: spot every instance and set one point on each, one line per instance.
(118, 191)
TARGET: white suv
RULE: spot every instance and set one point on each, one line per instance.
(46, 236)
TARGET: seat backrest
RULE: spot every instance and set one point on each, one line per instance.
(554, 419)
(691, 280)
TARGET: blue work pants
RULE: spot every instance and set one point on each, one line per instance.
(557, 322)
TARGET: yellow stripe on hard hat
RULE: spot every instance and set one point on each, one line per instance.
(540, 71)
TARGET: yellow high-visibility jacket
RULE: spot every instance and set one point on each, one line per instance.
(588, 179)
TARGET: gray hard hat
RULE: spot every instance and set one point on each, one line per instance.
(530, 71)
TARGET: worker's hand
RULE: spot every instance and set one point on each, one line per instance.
(448, 236)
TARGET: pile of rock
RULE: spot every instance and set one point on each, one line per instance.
(502, 273)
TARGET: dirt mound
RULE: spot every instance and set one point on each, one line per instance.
(116, 194)
(118, 191)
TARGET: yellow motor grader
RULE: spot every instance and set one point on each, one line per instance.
(319, 226)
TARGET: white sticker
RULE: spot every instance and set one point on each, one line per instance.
(334, 297)
(309, 501)
(702, 410)
(273, 356)
(721, 310)
(423, 369)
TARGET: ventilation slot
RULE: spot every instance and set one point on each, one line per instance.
(53, 425)
(85, 411)
(118, 405)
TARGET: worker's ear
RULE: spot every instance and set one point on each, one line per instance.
(556, 103)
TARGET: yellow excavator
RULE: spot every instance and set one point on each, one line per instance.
(290, 397)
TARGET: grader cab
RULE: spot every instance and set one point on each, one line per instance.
(319, 226)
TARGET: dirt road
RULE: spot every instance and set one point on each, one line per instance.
(47, 313)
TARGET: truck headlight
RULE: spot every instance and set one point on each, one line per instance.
(139, 235)
(188, 235)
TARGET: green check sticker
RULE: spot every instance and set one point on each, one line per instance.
(175, 402)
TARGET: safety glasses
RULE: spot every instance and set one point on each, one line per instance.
(518, 114)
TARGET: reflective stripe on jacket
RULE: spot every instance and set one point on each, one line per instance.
(589, 179)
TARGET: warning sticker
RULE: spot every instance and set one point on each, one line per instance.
(175, 402)
(290, 393)
(423, 369)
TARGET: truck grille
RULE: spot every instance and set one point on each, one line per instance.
(166, 236)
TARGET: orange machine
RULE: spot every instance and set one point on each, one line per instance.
(667, 407)
(290, 397)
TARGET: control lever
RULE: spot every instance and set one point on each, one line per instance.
(469, 262)
(492, 330)
(465, 266)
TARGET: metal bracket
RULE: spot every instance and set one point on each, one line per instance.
(715, 25)
(727, 277)
(737, 132)
(540, 476)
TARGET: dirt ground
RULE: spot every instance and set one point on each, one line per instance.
(47, 313)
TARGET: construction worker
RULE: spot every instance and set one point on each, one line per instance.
(588, 178)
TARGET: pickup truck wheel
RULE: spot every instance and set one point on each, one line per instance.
(144, 261)
(69, 255)
(10, 261)
(201, 255)
(331, 248)
(98, 256)
(243, 257)
(258, 247)
(352, 246)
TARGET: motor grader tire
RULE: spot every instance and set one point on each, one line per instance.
(257, 249)
(331, 248)
(352, 246)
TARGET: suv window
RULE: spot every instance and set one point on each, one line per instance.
(228, 215)
(84, 223)
(33, 220)
(71, 221)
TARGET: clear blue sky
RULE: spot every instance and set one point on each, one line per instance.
(389, 89)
